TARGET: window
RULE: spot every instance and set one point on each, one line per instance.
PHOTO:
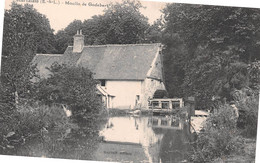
(155, 104)
(155, 122)
(165, 105)
(164, 122)
(137, 97)
(103, 83)
(175, 104)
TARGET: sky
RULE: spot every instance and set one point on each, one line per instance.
(61, 14)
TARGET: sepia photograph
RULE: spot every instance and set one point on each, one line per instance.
(129, 81)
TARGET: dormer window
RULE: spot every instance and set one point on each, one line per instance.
(103, 83)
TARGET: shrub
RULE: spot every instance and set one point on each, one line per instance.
(247, 102)
(40, 127)
(248, 115)
(221, 137)
(46, 131)
(74, 87)
(34, 124)
(7, 120)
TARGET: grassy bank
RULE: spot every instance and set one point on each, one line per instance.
(247, 156)
(227, 137)
(46, 131)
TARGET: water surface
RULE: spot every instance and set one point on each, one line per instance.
(144, 139)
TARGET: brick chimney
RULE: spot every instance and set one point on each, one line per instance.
(78, 43)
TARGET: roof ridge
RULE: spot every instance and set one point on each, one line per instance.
(109, 45)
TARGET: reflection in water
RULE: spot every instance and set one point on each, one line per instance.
(144, 139)
(174, 146)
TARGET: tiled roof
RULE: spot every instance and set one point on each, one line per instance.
(116, 62)
(45, 61)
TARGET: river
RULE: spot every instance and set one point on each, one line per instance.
(144, 139)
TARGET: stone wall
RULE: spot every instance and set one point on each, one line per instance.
(153, 82)
(150, 86)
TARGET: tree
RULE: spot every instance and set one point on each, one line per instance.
(121, 23)
(64, 38)
(26, 32)
(73, 87)
(254, 74)
(154, 33)
(217, 44)
(219, 139)
(95, 30)
(126, 24)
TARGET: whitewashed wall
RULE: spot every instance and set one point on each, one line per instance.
(125, 93)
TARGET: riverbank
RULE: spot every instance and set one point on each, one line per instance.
(223, 140)
(247, 156)
(123, 112)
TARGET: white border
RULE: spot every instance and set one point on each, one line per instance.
(237, 3)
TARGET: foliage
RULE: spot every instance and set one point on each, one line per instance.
(35, 129)
(64, 38)
(248, 114)
(26, 32)
(29, 127)
(74, 87)
(127, 25)
(208, 49)
(254, 74)
(31, 123)
(174, 65)
(154, 32)
(220, 137)
(121, 23)
(48, 132)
